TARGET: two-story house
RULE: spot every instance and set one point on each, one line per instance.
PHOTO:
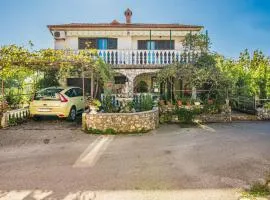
(135, 50)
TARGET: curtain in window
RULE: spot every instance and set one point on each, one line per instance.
(102, 43)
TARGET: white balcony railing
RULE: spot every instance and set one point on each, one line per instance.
(144, 57)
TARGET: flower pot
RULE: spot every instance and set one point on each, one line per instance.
(197, 103)
(162, 102)
(179, 103)
(93, 109)
(210, 101)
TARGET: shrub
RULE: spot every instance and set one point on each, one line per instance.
(267, 105)
(108, 131)
(144, 103)
(259, 189)
(186, 115)
(211, 108)
(108, 105)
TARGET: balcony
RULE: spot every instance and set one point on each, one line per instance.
(144, 57)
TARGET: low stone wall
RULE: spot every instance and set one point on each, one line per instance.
(211, 118)
(224, 116)
(263, 114)
(122, 122)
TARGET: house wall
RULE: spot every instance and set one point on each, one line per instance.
(124, 42)
(59, 44)
(68, 43)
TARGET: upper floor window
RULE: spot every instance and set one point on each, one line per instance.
(155, 44)
(97, 43)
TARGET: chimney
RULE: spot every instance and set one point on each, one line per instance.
(128, 14)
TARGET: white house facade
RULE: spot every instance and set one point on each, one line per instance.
(133, 49)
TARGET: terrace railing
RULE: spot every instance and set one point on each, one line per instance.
(145, 57)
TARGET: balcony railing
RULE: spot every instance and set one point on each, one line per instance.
(144, 57)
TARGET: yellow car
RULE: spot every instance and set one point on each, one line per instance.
(63, 102)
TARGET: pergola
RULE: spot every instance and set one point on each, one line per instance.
(19, 57)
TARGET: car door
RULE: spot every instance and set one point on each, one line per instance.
(79, 99)
(72, 96)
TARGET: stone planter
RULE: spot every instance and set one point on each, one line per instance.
(122, 122)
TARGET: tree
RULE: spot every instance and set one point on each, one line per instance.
(201, 71)
(19, 63)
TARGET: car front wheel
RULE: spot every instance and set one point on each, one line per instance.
(72, 114)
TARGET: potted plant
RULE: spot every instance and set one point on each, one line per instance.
(188, 102)
(161, 102)
(94, 105)
(179, 102)
(210, 101)
(197, 102)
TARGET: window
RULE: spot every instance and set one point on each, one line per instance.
(87, 43)
(155, 44)
(79, 92)
(47, 94)
(71, 93)
(97, 43)
(120, 79)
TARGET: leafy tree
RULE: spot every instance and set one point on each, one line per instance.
(24, 66)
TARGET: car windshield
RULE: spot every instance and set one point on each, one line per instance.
(48, 94)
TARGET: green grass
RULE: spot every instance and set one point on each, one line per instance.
(259, 190)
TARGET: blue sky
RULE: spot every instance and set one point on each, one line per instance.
(233, 25)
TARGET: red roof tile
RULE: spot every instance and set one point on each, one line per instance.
(124, 25)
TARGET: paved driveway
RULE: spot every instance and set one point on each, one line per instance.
(56, 156)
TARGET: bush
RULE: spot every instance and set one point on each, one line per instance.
(186, 115)
(211, 109)
(267, 105)
(50, 79)
(108, 105)
(144, 103)
(259, 189)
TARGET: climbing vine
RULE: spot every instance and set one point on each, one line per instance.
(22, 65)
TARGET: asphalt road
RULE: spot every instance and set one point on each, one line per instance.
(57, 157)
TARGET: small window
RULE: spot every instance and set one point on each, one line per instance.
(71, 93)
(97, 43)
(79, 92)
(120, 79)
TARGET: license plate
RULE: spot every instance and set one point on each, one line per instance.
(44, 110)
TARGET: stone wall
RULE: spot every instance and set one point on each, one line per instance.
(122, 122)
(224, 116)
(263, 114)
(211, 118)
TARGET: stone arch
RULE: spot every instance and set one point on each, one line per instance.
(141, 87)
(131, 74)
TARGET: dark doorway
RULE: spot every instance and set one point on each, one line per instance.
(78, 82)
